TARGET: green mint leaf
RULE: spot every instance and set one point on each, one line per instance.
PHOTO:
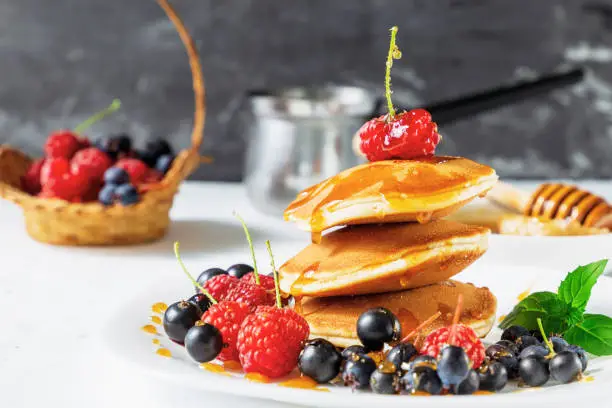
(555, 314)
(594, 334)
(575, 289)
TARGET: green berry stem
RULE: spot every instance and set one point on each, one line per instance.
(248, 237)
(394, 53)
(548, 343)
(279, 304)
(195, 283)
(113, 107)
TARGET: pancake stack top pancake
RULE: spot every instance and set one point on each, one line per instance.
(388, 239)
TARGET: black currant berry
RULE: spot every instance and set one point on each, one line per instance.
(357, 371)
(513, 347)
(538, 350)
(422, 378)
(512, 333)
(354, 349)
(582, 355)
(386, 379)
(493, 377)
(179, 318)
(565, 366)
(376, 327)
(201, 301)
(453, 365)
(559, 344)
(468, 386)
(203, 342)
(423, 360)
(525, 341)
(239, 270)
(503, 355)
(320, 360)
(401, 353)
(533, 370)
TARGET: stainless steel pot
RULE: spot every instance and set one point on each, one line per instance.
(297, 137)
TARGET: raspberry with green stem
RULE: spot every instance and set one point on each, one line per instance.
(279, 303)
(250, 241)
(113, 107)
(196, 284)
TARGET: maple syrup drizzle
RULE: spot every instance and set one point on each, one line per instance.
(156, 319)
(256, 377)
(155, 341)
(164, 352)
(501, 318)
(523, 295)
(588, 378)
(302, 382)
(482, 392)
(215, 368)
(149, 328)
(159, 307)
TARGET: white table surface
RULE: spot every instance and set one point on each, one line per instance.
(54, 302)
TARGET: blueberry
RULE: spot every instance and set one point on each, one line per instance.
(378, 326)
(128, 194)
(358, 370)
(538, 350)
(239, 270)
(525, 341)
(107, 195)
(320, 360)
(401, 353)
(201, 301)
(533, 370)
(164, 163)
(453, 365)
(385, 380)
(582, 355)
(113, 145)
(116, 176)
(203, 342)
(468, 386)
(565, 366)
(493, 376)
(208, 274)
(512, 333)
(422, 360)
(179, 318)
(422, 378)
(559, 344)
(354, 349)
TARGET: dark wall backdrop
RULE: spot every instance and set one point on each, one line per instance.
(61, 60)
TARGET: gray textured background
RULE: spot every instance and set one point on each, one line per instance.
(61, 60)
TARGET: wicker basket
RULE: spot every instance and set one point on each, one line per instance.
(63, 223)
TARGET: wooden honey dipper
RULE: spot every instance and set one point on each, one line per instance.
(556, 201)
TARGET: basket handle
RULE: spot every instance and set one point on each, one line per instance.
(196, 73)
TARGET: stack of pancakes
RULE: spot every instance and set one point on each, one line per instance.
(389, 246)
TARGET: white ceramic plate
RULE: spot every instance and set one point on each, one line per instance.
(133, 346)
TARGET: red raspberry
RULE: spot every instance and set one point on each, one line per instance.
(267, 282)
(91, 162)
(68, 186)
(227, 317)
(30, 181)
(270, 341)
(464, 337)
(137, 169)
(252, 295)
(62, 143)
(53, 168)
(408, 135)
(218, 286)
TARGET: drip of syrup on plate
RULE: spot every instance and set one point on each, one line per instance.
(588, 378)
(302, 382)
(149, 328)
(156, 319)
(482, 392)
(523, 295)
(164, 352)
(156, 342)
(501, 318)
(256, 377)
(214, 368)
(159, 307)
(232, 365)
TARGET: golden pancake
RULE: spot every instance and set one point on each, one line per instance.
(391, 191)
(335, 319)
(382, 258)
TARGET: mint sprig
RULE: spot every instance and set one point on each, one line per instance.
(563, 312)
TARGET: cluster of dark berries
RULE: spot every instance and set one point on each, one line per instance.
(534, 359)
